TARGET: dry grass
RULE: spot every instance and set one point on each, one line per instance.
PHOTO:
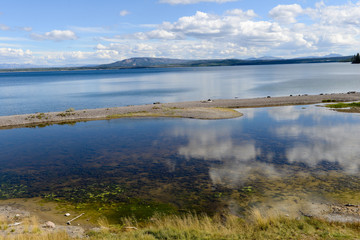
(258, 225)
(29, 229)
(40, 236)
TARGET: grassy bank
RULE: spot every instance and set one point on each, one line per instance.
(353, 107)
(189, 226)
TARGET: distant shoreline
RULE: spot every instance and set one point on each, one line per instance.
(143, 62)
(207, 109)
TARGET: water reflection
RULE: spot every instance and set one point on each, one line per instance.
(215, 144)
(265, 139)
(336, 144)
(193, 164)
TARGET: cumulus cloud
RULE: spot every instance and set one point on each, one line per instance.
(55, 35)
(286, 13)
(291, 31)
(285, 35)
(235, 27)
(338, 15)
(15, 55)
(10, 52)
(179, 48)
(174, 2)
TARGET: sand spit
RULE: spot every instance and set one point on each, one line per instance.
(207, 109)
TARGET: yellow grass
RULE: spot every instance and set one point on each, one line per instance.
(259, 224)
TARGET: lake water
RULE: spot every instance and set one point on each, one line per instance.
(57, 91)
(206, 165)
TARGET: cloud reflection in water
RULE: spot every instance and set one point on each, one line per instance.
(336, 144)
(238, 160)
(310, 136)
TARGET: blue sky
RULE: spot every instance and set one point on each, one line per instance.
(56, 33)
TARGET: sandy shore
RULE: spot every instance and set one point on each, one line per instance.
(214, 109)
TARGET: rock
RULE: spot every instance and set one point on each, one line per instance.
(15, 224)
(67, 214)
(50, 224)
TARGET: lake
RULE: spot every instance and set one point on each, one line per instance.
(268, 156)
(31, 92)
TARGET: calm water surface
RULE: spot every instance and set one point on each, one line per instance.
(57, 91)
(191, 164)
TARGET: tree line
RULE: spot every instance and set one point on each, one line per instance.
(356, 58)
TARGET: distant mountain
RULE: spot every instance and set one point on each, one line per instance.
(143, 62)
(146, 62)
(264, 58)
(332, 55)
(269, 58)
(167, 62)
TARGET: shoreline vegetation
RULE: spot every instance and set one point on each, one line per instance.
(257, 225)
(207, 109)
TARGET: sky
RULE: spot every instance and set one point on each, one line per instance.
(81, 32)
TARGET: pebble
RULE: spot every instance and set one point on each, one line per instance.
(50, 224)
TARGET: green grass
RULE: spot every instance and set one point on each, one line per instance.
(344, 105)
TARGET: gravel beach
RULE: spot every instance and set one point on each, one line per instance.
(207, 109)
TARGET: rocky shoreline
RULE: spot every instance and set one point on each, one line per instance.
(207, 109)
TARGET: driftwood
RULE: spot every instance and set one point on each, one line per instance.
(69, 222)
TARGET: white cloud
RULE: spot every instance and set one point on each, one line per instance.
(239, 33)
(286, 13)
(10, 52)
(55, 35)
(91, 29)
(3, 27)
(187, 49)
(15, 55)
(124, 13)
(343, 15)
(100, 47)
(235, 29)
(173, 2)
(26, 29)
(292, 31)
